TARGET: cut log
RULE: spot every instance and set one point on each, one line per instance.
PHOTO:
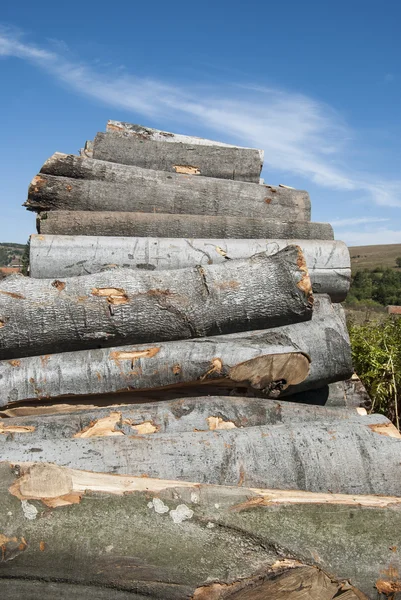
(168, 540)
(189, 414)
(213, 413)
(69, 182)
(123, 306)
(261, 362)
(338, 456)
(157, 135)
(61, 222)
(224, 162)
(205, 362)
(328, 261)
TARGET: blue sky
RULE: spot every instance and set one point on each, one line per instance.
(315, 84)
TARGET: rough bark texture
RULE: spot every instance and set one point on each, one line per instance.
(157, 135)
(124, 306)
(69, 182)
(213, 413)
(320, 398)
(349, 457)
(62, 222)
(328, 261)
(169, 540)
(192, 367)
(223, 162)
(199, 363)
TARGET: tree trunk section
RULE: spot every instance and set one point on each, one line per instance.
(223, 162)
(157, 135)
(337, 456)
(69, 182)
(213, 413)
(262, 363)
(328, 261)
(62, 222)
(180, 535)
(40, 316)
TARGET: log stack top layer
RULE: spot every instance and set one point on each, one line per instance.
(153, 149)
(156, 135)
(225, 162)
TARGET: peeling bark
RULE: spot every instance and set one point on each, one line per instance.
(109, 223)
(273, 539)
(169, 416)
(68, 182)
(328, 260)
(265, 362)
(223, 162)
(124, 306)
(338, 456)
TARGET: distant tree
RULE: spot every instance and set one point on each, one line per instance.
(398, 261)
(25, 259)
(3, 257)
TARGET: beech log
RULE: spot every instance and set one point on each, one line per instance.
(221, 161)
(338, 456)
(86, 534)
(62, 222)
(265, 363)
(157, 135)
(39, 316)
(328, 261)
(68, 182)
(344, 406)
(170, 416)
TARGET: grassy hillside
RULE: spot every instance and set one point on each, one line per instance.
(370, 257)
(8, 251)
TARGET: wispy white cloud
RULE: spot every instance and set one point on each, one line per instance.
(300, 136)
(357, 221)
(368, 238)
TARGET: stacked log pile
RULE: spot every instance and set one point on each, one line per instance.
(177, 413)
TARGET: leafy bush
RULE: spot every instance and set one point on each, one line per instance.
(382, 285)
(376, 353)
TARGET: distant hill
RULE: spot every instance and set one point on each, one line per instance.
(369, 257)
(10, 253)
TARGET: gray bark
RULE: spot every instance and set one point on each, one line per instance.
(62, 222)
(231, 363)
(350, 392)
(168, 416)
(193, 367)
(157, 135)
(224, 162)
(69, 182)
(125, 542)
(328, 261)
(347, 457)
(124, 306)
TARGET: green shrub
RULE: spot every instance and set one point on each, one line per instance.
(376, 353)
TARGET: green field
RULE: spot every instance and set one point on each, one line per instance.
(369, 257)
